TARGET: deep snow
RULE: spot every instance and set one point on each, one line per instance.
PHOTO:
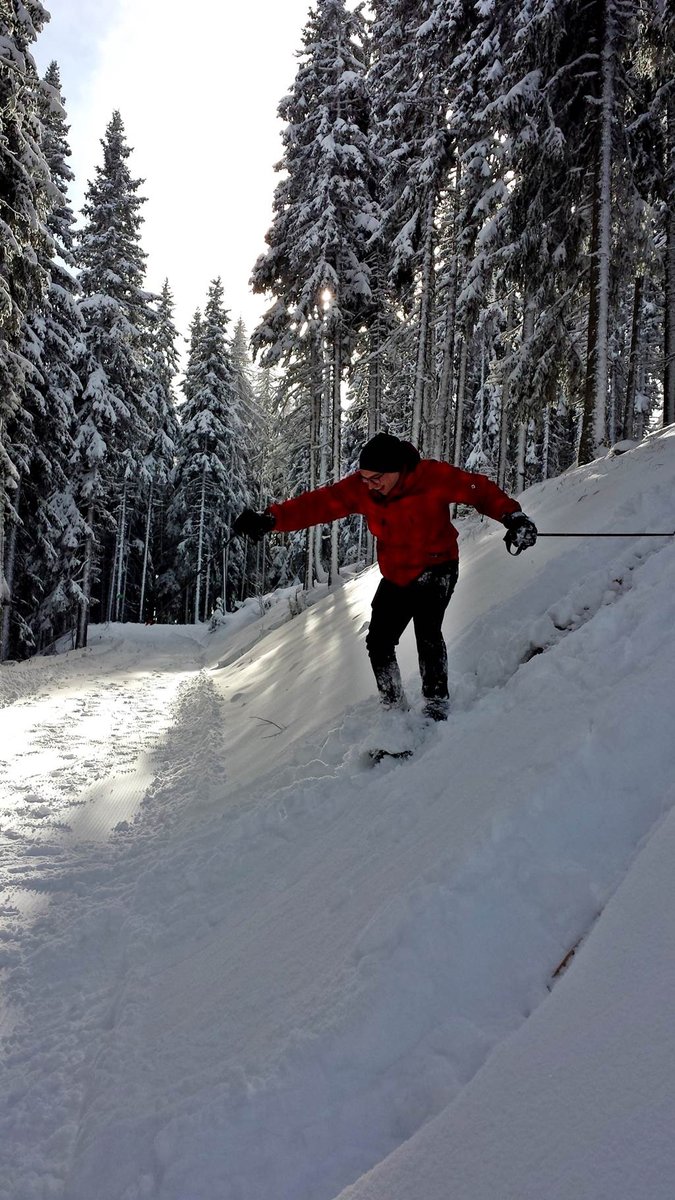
(239, 964)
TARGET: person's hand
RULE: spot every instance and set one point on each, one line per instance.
(521, 532)
(253, 524)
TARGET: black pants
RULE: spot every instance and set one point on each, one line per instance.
(423, 602)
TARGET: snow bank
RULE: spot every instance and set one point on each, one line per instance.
(294, 977)
(579, 1102)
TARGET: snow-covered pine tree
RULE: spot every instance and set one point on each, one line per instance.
(606, 37)
(46, 536)
(25, 198)
(254, 447)
(113, 413)
(550, 236)
(630, 180)
(176, 598)
(210, 483)
(485, 424)
(493, 106)
(414, 46)
(157, 573)
(63, 523)
(669, 205)
(482, 301)
(317, 266)
(21, 444)
(651, 130)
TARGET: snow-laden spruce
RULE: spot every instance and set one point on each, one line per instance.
(25, 199)
(210, 483)
(45, 533)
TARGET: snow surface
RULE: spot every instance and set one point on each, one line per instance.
(237, 963)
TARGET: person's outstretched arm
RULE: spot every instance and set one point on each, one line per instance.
(469, 487)
(309, 508)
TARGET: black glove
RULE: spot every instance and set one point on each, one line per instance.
(253, 524)
(521, 532)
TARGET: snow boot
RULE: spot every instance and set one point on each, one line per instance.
(436, 708)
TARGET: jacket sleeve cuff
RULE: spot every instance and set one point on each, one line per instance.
(512, 512)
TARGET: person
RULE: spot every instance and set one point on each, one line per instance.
(405, 500)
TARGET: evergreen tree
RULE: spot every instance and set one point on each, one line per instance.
(43, 560)
(115, 415)
(254, 450)
(549, 196)
(317, 265)
(323, 207)
(157, 573)
(651, 130)
(250, 413)
(25, 198)
(521, 206)
(210, 484)
(414, 82)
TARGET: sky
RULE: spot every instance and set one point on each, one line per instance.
(198, 99)
(238, 962)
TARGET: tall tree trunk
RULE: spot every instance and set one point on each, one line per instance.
(459, 407)
(375, 340)
(521, 451)
(611, 407)
(325, 441)
(316, 393)
(336, 449)
(261, 555)
(631, 382)
(425, 319)
(244, 573)
(520, 458)
(546, 443)
(481, 412)
(440, 442)
(227, 537)
(587, 440)
(429, 399)
(9, 573)
(226, 560)
(200, 548)
(5, 595)
(117, 580)
(374, 378)
(121, 572)
(374, 403)
(125, 578)
(669, 313)
(146, 553)
(593, 433)
(6, 470)
(640, 415)
(112, 583)
(504, 418)
(503, 452)
(87, 567)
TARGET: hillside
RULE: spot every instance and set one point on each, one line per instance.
(239, 964)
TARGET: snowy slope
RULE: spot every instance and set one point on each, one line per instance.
(240, 965)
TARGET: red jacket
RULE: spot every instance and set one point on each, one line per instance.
(412, 524)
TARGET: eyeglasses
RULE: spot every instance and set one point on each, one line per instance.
(373, 478)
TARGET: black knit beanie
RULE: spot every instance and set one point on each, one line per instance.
(384, 452)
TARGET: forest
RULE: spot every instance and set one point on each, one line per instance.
(471, 245)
